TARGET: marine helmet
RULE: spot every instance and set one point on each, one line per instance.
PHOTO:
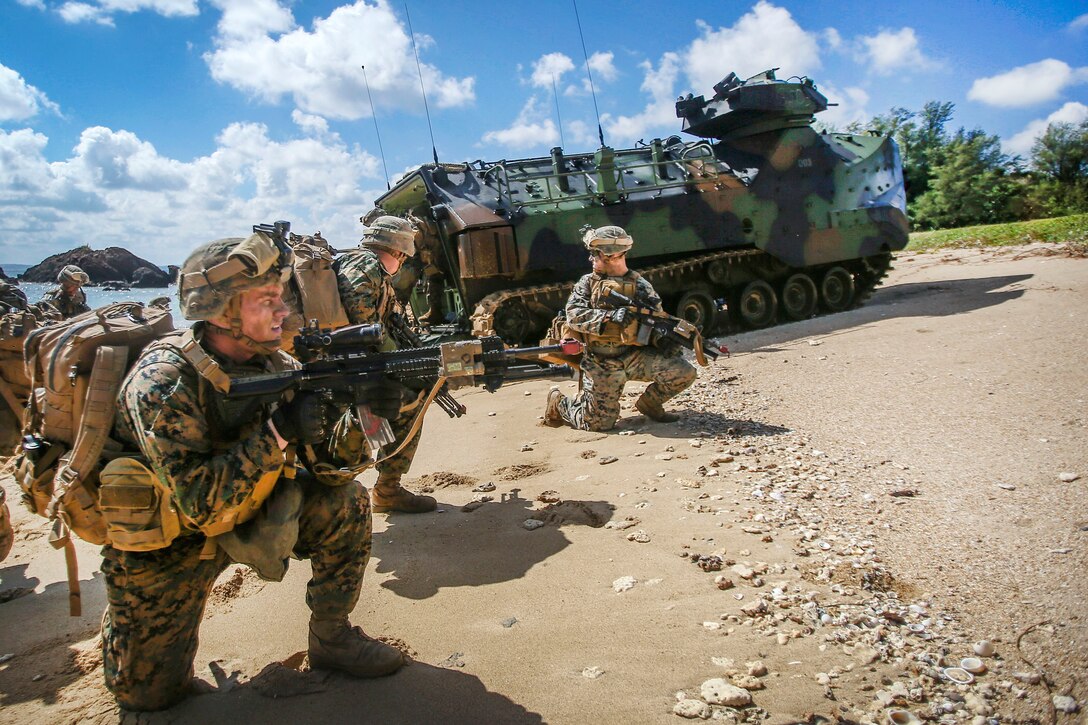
(607, 240)
(71, 274)
(393, 234)
(217, 271)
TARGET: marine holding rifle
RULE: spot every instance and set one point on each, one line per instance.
(615, 352)
(364, 277)
(228, 470)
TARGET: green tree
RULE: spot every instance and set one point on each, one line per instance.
(1062, 152)
(972, 183)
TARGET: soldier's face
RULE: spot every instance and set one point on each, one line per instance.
(262, 311)
(612, 265)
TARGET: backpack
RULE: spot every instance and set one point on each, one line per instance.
(75, 368)
(314, 286)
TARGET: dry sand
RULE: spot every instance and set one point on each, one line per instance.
(851, 501)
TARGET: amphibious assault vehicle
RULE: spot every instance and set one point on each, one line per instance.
(760, 219)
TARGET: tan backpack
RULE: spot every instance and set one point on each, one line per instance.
(315, 282)
(75, 369)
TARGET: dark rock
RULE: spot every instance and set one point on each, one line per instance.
(110, 264)
(172, 270)
(6, 278)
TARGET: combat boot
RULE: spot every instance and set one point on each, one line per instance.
(388, 495)
(552, 416)
(653, 410)
(336, 645)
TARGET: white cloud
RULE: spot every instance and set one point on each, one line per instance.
(852, 102)
(765, 37)
(36, 4)
(310, 124)
(1027, 85)
(603, 67)
(550, 68)
(658, 115)
(103, 11)
(1022, 142)
(116, 189)
(260, 50)
(1079, 23)
(18, 99)
(531, 128)
(832, 38)
(77, 12)
(891, 50)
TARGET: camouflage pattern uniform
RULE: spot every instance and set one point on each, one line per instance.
(67, 305)
(12, 299)
(7, 535)
(608, 365)
(366, 290)
(156, 599)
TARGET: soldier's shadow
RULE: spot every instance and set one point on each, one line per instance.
(697, 423)
(426, 553)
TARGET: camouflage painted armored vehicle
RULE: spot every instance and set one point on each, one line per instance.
(761, 211)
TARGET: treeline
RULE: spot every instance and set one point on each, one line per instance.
(962, 178)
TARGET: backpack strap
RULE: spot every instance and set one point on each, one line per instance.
(110, 366)
(204, 364)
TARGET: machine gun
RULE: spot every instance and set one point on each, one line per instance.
(657, 328)
(406, 338)
(342, 363)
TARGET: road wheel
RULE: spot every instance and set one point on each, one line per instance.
(697, 307)
(837, 289)
(757, 305)
(513, 322)
(799, 297)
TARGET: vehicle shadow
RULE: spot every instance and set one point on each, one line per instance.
(417, 693)
(487, 545)
(40, 635)
(911, 299)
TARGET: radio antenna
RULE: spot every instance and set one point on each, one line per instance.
(376, 132)
(600, 132)
(426, 108)
(557, 116)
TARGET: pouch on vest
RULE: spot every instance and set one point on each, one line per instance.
(316, 280)
(136, 506)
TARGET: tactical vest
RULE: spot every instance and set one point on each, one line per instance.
(614, 339)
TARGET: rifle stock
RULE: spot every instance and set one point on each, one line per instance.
(655, 325)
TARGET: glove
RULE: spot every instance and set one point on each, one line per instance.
(618, 315)
(384, 398)
(306, 419)
(666, 346)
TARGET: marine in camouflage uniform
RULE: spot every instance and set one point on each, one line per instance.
(211, 455)
(612, 355)
(68, 298)
(364, 277)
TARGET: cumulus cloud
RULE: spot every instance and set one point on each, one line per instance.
(833, 38)
(891, 50)
(77, 12)
(659, 113)
(36, 4)
(102, 12)
(260, 50)
(310, 124)
(550, 68)
(18, 99)
(1022, 142)
(1079, 23)
(851, 107)
(117, 189)
(765, 37)
(1027, 85)
(532, 127)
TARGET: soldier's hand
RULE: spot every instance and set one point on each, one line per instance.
(384, 398)
(667, 346)
(619, 315)
(307, 418)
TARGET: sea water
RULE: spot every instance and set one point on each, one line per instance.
(97, 296)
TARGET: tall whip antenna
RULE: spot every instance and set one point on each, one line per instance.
(434, 150)
(557, 116)
(600, 133)
(376, 132)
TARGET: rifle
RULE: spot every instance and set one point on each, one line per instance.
(655, 326)
(280, 233)
(405, 337)
(344, 362)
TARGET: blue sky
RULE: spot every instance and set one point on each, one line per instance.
(157, 125)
